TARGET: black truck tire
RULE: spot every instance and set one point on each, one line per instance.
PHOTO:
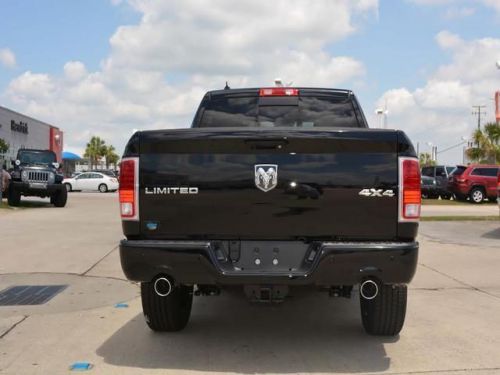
(166, 314)
(13, 197)
(385, 314)
(60, 198)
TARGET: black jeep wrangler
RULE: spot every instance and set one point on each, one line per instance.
(35, 174)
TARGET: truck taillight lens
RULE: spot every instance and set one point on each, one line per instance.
(410, 198)
(129, 189)
(278, 91)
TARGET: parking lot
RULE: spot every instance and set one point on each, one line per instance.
(452, 324)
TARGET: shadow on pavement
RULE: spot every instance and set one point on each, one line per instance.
(312, 333)
(495, 234)
(28, 204)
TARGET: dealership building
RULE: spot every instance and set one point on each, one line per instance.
(21, 131)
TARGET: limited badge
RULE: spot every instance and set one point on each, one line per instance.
(266, 176)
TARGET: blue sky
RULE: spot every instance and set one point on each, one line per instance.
(390, 53)
(46, 34)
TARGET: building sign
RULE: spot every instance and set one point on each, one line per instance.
(20, 127)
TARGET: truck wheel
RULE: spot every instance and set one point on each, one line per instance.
(13, 197)
(167, 314)
(477, 195)
(103, 188)
(60, 198)
(385, 314)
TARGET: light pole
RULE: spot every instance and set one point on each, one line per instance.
(497, 100)
(382, 114)
(433, 151)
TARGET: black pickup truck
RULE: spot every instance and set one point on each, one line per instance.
(270, 190)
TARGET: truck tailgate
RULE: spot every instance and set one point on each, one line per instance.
(268, 184)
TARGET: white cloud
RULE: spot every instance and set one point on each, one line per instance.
(465, 8)
(433, 2)
(75, 71)
(443, 95)
(453, 13)
(495, 4)
(445, 39)
(440, 111)
(158, 69)
(30, 86)
(7, 58)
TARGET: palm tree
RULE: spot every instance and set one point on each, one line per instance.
(111, 156)
(487, 149)
(95, 150)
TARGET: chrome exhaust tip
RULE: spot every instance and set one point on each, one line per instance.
(368, 289)
(163, 286)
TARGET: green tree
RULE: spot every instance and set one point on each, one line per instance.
(96, 149)
(487, 147)
(111, 156)
(4, 146)
(426, 160)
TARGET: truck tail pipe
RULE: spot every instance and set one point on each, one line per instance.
(368, 289)
(164, 285)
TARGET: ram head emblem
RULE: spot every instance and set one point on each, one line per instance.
(266, 176)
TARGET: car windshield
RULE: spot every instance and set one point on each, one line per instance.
(305, 112)
(36, 157)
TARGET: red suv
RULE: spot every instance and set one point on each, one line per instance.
(476, 181)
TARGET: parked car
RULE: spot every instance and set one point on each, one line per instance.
(92, 181)
(36, 174)
(107, 172)
(74, 174)
(441, 174)
(476, 182)
(498, 190)
(271, 189)
(429, 187)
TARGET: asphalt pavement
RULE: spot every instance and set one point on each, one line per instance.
(465, 209)
(452, 324)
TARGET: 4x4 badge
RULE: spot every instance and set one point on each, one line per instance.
(266, 176)
(376, 193)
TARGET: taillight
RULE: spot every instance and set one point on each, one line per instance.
(129, 189)
(279, 91)
(410, 197)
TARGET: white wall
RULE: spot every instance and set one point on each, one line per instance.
(38, 133)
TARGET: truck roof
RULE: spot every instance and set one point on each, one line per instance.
(255, 91)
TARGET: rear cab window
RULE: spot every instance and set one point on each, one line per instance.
(309, 109)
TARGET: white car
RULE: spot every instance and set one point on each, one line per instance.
(91, 181)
